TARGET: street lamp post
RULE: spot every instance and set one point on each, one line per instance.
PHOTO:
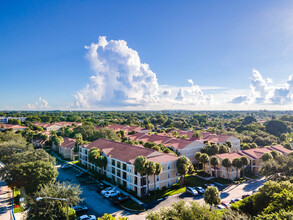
(40, 198)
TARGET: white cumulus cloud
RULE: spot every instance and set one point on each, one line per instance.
(41, 104)
(119, 79)
(262, 93)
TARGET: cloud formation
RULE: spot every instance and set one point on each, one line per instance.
(41, 104)
(262, 93)
(121, 79)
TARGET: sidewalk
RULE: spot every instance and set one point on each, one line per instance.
(5, 201)
(104, 181)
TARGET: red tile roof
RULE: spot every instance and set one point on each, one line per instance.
(233, 155)
(8, 126)
(136, 136)
(128, 153)
(68, 143)
(178, 143)
(280, 149)
(157, 139)
(257, 153)
(215, 138)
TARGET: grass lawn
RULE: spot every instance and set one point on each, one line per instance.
(223, 181)
(130, 204)
(190, 180)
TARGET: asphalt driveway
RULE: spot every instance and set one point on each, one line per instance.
(96, 203)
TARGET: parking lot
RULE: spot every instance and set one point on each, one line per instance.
(96, 203)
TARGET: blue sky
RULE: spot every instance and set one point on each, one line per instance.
(216, 44)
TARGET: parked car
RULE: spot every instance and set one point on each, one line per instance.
(87, 217)
(220, 207)
(80, 208)
(199, 189)
(101, 187)
(121, 199)
(226, 204)
(235, 200)
(111, 193)
(246, 195)
(81, 174)
(191, 191)
(110, 188)
(65, 166)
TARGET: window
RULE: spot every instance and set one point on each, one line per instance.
(113, 162)
(113, 170)
(135, 180)
(158, 186)
(118, 164)
(169, 166)
(118, 173)
(169, 184)
(124, 166)
(124, 175)
(168, 175)
(158, 178)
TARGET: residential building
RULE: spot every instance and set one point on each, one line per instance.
(185, 147)
(255, 162)
(66, 149)
(120, 165)
(220, 139)
(13, 127)
(49, 127)
(5, 120)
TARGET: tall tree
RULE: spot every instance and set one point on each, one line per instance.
(157, 172)
(226, 162)
(184, 166)
(244, 162)
(53, 209)
(102, 163)
(197, 157)
(150, 169)
(237, 163)
(139, 166)
(204, 159)
(94, 153)
(214, 161)
(212, 196)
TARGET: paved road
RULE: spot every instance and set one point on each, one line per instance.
(232, 192)
(5, 201)
(96, 203)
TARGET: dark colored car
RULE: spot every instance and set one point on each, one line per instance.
(121, 198)
(80, 209)
(101, 187)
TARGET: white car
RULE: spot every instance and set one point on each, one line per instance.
(191, 191)
(107, 189)
(199, 189)
(112, 193)
(87, 217)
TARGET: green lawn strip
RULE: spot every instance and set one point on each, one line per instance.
(223, 181)
(130, 204)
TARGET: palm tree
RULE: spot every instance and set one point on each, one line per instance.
(150, 169)
(139, 166)
(102, 163)
(212, 196)
(197, 157)
(214, 161)
(227, 163)
(237, 164)
(94, 153)
(244, 162)
(183, 166)
(157, 172)
(204, 159)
